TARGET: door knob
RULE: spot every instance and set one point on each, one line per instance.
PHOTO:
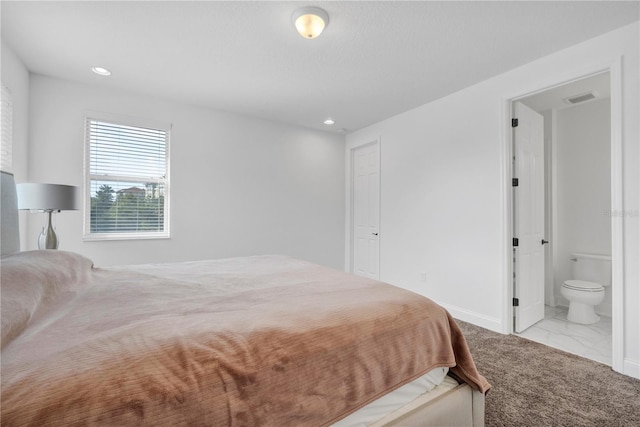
(544, 241)
(375, 234)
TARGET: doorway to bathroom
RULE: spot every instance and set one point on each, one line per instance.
(564, 193)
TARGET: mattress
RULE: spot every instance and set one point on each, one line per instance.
(265, 340)
(373, 412)
(369, 414)
(392, 402)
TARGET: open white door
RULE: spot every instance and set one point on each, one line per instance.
(528, 217)
(366, 210)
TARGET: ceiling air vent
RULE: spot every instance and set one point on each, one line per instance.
(577, 99)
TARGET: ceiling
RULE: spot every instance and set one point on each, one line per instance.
(373, 61)
(598, 84)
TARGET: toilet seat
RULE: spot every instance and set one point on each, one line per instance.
(583, 285)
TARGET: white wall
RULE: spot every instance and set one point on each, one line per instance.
(583, 159)
(15, 77)
(239, 186)
(444, 184)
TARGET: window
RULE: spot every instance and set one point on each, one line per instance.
(127, 193)
(6, 130)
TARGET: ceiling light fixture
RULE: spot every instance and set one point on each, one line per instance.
(329, 122)
(310, 21)
(101, 71)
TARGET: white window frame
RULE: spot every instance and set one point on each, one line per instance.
(6, 130)
(124, 121)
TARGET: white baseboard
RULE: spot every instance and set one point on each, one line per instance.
(632, 368)
(492, 323)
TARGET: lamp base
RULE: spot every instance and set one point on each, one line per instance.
(48, 239)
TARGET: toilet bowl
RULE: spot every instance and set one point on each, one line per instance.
(583, 296)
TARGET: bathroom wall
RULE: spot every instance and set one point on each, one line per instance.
(583, 182)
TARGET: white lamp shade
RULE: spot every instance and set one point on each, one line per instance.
(310, 21)
(47, 196)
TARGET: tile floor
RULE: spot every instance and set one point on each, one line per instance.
(589, 341)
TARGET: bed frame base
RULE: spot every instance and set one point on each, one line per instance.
(460, 406)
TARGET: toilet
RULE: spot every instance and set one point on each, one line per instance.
(591, 274)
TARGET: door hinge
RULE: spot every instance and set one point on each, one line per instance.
(514, 182)
(515, 241)
(514, 123)
(516, 302)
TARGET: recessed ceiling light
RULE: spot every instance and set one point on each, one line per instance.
(329, 122)
(101, 71)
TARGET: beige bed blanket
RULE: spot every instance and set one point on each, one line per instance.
(268, 340)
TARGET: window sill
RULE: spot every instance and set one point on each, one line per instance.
(122, 236)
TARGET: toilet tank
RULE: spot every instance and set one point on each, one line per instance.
(591, 267)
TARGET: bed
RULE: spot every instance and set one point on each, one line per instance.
(265, 340)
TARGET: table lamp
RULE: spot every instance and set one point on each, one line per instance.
(48, 198)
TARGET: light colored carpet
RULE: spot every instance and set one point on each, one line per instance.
(535, 385)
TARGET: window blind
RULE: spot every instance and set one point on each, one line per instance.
(6, 130)
(127, 179)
